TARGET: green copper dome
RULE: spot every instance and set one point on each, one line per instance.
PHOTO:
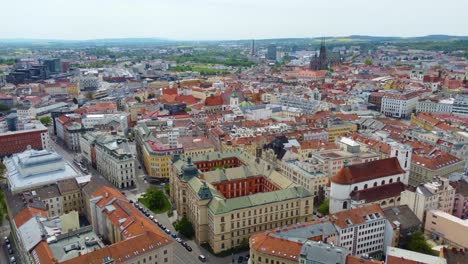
(189, 170)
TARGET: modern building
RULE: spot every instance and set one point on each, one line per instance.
(460, 105)
(374, 182)
(399, 105)
(446, 228)
(438, 195)
(403, 256)
(363, 230)
(33, 134)
(33, 169)
(271, 52)
(231, 195)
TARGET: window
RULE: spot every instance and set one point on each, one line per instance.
(345, 205)
(375, 184)
(383, 182)
(365, 186)
(355, 188)
(390, 181)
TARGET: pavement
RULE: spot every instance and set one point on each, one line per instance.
(181, 255)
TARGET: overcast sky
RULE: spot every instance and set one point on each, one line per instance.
(229, 19)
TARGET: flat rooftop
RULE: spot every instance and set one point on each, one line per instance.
(58, 248)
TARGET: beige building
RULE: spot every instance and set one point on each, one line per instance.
(446, 229)
(231, 195)
(427, 167)
(438, 195)
(71, 196)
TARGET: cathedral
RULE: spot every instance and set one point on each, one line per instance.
(322, 62)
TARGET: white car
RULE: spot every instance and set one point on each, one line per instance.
(179, 240)
(151, 217)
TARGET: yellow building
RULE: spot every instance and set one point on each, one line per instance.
(230, 195)
(71, 196)
(339, 129)
(73, 89)
(446, 229)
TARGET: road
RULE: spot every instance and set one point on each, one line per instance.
(181, 255)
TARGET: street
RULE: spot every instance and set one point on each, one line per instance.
(181, 255)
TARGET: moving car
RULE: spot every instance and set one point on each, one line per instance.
(202, 258)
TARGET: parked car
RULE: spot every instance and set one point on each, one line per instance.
(151, 217)
(10, 251)
(240, 259)
(6, 240)
(202, 258)
(178, 239)
(168, 231)
(189, 249)
(184, 244)
(173, 235)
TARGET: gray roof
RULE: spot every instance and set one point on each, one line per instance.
(48, 192)
(403, 215)
(31, 233)
(317, 252)
(301, 233)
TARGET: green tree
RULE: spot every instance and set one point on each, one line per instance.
(46, 120)
(368, 62)
(89, 96)
(138, 98)
(155, 200)
(184, 227)
(324, 207)
(465, 80)
(188, 109)
(418, 243)
(167, 189)
(4, 107)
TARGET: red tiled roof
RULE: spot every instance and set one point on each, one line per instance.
(378, 193)
(368, 171)
(274, 246)
(43, 253)
(213, 100)
(358, 260)
(356, 216)
(27, 213)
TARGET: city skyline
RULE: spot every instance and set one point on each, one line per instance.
(229, 20)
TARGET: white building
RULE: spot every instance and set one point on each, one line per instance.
(115, 161)
(399, 106)
(438, 195)
(440, 107)
(32, 169)
(460, 105)
(91, 120)
(359, 184)
(363, 230)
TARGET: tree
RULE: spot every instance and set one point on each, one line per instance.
(155, 199)
(138, 98)
(465, 81)
(324, 207)
(368, 62)
(89, 96)
(4, 107)
(46, 120)
(418, 243)
(188, 109)
(184, 227)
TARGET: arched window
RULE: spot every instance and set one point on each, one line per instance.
(383, 203)
(391, 180)
(398, 179)
(365, 186)
(392, 201)
(355, 188)
(398, 199)
(383, 182)
(375, 184)
(345, 205)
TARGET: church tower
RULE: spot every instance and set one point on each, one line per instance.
(234, 100)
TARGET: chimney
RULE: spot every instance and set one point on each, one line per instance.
(106, 194)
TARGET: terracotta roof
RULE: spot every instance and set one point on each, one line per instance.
(368, 171)
(437, 160)
(355, 216)
(122, 251)
(358, 260)
(213, 100)
(42, 254)
(274, 246)
(378, 193)
(26, 214)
